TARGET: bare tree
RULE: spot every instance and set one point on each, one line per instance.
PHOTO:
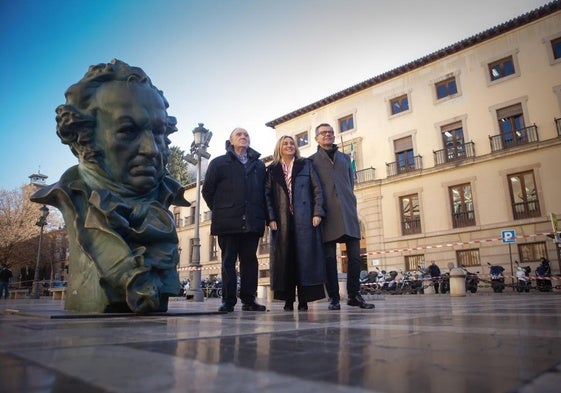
(18, 218)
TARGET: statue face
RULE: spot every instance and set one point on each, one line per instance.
(130, 130)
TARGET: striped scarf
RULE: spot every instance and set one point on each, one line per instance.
(287, 171)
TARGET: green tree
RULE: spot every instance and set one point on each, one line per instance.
(178, 167)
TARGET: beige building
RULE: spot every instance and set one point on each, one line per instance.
(454, 152)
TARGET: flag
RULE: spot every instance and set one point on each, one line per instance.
(353, 162)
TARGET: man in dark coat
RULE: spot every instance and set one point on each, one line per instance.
(234, 191)
(341, 221)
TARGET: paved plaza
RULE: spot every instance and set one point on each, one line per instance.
(484, 342)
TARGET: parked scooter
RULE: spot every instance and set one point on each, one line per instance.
(523, 283)
(497, 278)
(543, 276)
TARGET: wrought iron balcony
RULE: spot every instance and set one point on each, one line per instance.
(411, 226)
(365, 175)
(519, 137)
(457, 153)
(527, 209)
(463, 219)
(400, 167)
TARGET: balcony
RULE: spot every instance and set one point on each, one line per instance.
(527, 209)
(365, 175)
(411, 226)
(401, 167)
(519, 137)
(457, 153)
(463, 219)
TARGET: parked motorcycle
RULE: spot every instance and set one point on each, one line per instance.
(409, 283)
(387, 281)
(472, 280)
(444, 283)
(497, 277)
(543, 276)
(368, 282)
(523, 283)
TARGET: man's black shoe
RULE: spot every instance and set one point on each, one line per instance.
(334, 304)
(253, 307)
(358, 301)
(288, 306)
(226, 308)
(302, 306)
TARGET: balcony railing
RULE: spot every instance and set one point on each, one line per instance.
(519, 137)
(189, 220)
(411, 226)
(526, 209)
(456, 153)
(365, 175)
(558, 126)
(400, 167)
(463, 219)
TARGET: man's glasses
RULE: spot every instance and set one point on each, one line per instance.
(325, 133)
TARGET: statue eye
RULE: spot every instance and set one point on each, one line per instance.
(128, 130)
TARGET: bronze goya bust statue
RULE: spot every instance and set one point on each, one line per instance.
(123, 242)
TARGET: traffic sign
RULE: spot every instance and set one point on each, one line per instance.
(509, 236)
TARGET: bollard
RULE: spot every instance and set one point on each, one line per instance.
(457, 282)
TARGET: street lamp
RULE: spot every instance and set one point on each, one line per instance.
(41, 223)
(199, 146)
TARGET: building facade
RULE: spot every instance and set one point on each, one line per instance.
(454, 152)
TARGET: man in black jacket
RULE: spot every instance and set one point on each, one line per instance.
(234, 191)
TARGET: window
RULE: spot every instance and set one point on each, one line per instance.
(524, 196)
(446, 88)
(177, 219)
(468, 258)
(399, 104)
(346, 123)
(302, 139)
(511, 125)
(462, 205)
(213, 249)
(556, 48)
(453, 141)
(501, 68)
(410, 214)
(532, 252)
(414, 262)
(404, 155)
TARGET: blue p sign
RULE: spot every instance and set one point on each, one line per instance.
(509, 236)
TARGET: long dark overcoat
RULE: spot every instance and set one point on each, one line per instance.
(307, 202)
(337, 181)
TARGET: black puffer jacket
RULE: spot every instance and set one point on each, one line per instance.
(236, 194)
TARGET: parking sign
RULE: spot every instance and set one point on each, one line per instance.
(509, 236)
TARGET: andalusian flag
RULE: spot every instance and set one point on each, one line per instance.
(353, 161)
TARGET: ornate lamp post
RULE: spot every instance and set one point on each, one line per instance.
(199, 147)
(41, 223)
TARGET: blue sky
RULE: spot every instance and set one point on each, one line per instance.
(225, 63)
